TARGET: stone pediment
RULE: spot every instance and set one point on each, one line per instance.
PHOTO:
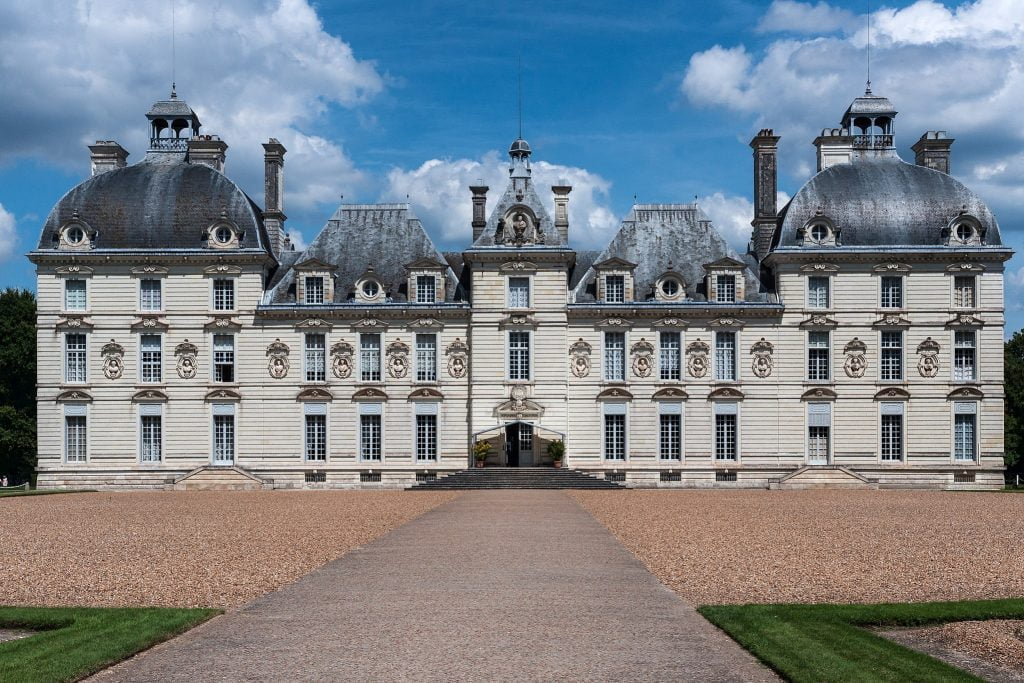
(891, 267)
(819, 394)
(822, 268)
(151, 323)
(314, 264)
(729, 263)
(892, 394)
(74, 395)
(518, 266)
(670, 393)
(731, 393)
(149, 270)
(223, 395)
(965, 268)
(370, 394)
(615, 323)
(222, 324)
(614, 263)
(965, 320)
(313, 324)
(74, 270)
(425, 263)
(221, 270)
(149, 396)
(891, 320)
(726, 322)
(819, 321)
(518, 320)
(74, 323)
(426, 324)
(425, 394)
(966, 393)
(369, 324)
(314, 394)
(615, 394)
(519, 409)
(671, 322)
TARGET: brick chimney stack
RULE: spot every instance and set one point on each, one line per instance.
(208, 150)
(766, 147)
(479, 208)
(107, 155)
(562, 190)
(273, 184)
(932, 151)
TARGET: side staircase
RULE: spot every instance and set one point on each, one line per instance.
(822, 477)
(213, 478)
(514, 478)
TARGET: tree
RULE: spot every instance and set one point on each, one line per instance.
(18, 385)
(1014, 406)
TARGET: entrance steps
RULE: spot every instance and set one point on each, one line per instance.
(514, 478)
(213, 478)
(822, 477)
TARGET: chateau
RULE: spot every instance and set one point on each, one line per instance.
(183, 341)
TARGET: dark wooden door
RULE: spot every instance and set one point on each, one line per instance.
(512, 445)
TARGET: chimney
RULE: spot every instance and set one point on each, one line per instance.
(479, 208)
(107, 155)
(562, 190)
(766, 147)
(207, 150)
(932, 151)
(273, 185)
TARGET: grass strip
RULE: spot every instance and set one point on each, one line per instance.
(42, 492)
(74, 642)
(831, 643)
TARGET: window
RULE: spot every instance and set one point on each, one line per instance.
(150, 433)
(817, 292)
(426, 357)
(964, 355)
(725, 288)
(817, 356)
(525, 438)
(75, 443)
(370, 431)
(964, 232)
(314, 290)
(615, 356)
(371, 289)
(669, 356)
(892, 356)
(892, 292)
(819, 427)
(519, 292)
(726, 437)
(150, 358)
(426, 436)
(223, 295)
(315, 357)
(316, 431)
(222, 235)
(670, 287)
(819, 232)
(149, 295)
(725, 355)
(965, 425)
(614, 289)
(74, 235)
(223, 358)
(519, 355)
(615, 431)
(74, 295)
(223, 436)
(670, 444)
(74, 358)
(963, 291)
(426, 289)
(369, 358)
(892, 431)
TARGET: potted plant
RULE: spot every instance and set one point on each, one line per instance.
(556, 450)
(481, 449)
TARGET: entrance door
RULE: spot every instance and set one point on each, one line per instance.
(512, 445)
(525, 445)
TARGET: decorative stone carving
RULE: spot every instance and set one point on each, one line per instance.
(277, 363)
(222, 269)
(615, 323)
(615, 393)
(726, 322)
(762, 362)
(725, 392)
(671, 322)
(314, 323)
(643, 357)
(370, 394)
(149, 323)
(424, 394)
(149, 396)
(74, 395)
(892, 320)
(518, 320)
(426, 324)
(314, 394)
(965, 267)
(892, 393)
(458, 358)
(186, 353)
(670, 393)
(697, 360)
(819, 394)
(223, 395)
(579, 358)
(818, 321)
(518, 267)
(398, 359)
(856, 361)
(819, 268)
(892, 268)
(222, 324)
(341, 359)
(966, 392)
(113, 359)
(965, 320)
(928, 364)
(519, 228)
(74, 322)
(369, 324)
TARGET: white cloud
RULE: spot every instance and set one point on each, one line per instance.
(439, 192)
(297, 239)
(8, 234)
(731, 216)
(803, 17)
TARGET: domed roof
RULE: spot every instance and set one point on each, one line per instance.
(163, 202)
(519, 146)
(883, 202)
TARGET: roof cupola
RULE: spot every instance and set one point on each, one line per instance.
(172, 123)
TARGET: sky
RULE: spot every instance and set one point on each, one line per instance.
(402, 101)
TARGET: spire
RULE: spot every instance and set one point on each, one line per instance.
(867, 88)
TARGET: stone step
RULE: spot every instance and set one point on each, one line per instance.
(516, 478)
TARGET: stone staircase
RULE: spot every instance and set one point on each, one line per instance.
(822, 477)
(514, 478)
(215, 478)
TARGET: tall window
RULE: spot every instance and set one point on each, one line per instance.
(669, 357)
(223, 438)
(892, 355)
(725, 288)
(369, 358)
(151, 436)
(316, 357)
(519, 355)
(725, 355)
(223, 295)
(817, 356)
(151, 358)
(965, 426)
(74, 295)
(615, 432)
(892, 436)
(74, 358)
(519, 292)
(615, 289)
(726, 437)
(426, 289)
(150, 298)
(819, 427)
(426, 357)
(892, 291)
(316, 432)
(963, 291)
(314, 289)
(426, 437)
(817, 292)
(964, 356)
(370, 433)
(223, 358)
(615, 356)
(75, 435)
(670, 445)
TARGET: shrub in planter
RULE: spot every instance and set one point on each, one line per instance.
(556, 451)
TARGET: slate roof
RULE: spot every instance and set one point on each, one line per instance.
(869, 104)
(385, 237)
(883, 202)
(172, 107)
(663, 237)
(162, 202)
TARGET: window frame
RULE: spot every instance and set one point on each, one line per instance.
(426, 410)
(827, 280)
(720, 280)
(889, 409)
(370, 410)
(433, 374)
(618, 278)
(902, 280)
(371, 375)
(510, 301)
(615, 409)
(307, 350)
(605, 356)
(735, 361)
(902, 356)
(678, 356)
(725, 408)
(234, 294)
(827, 355)
(316, 410)
(307, 290)
(143, 364)
(75, 410)
(671, 409)
(143, 282)
(150, 410)
(965, 409)
(955, 375)
(529, 355)
(85, 295)
(213, 358)
(956, 291)
(808, 411)
(84, 351)
(432, 286)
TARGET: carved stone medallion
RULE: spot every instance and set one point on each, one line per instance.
(341, 359)
(458, 358)
(113, 359)
(856, 362)
(762, 362)
(398, 359)
(186, 353)
(579, 358)
(928, 363)
(277, 363)
(643, 358)
(697, 358)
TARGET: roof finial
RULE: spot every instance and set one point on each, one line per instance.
(174, 95)
(867, 89)
(520, 84)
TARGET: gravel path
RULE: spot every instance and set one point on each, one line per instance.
(204, 548)
(718, 547)
(992, 650)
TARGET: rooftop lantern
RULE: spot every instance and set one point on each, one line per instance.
(172, 124)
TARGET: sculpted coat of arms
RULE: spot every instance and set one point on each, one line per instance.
(579, 358)
(928, 364)
(762, 362)
(458, 358)
(643, 358)
(277, 355)
(113, 359)
(856, 361)
(186, 352)
(398, 359)
(341, 359)
(697, 358)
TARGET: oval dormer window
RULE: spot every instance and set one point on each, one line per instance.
(222, 234)
(74, 235)
(670, 287)
(370, 289)
(964, 232)
(819, 232)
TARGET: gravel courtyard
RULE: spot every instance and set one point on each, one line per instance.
(206, 548)
(716, 547)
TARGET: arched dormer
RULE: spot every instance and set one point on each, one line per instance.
(76, 235)
(964, 230)
(670, 286)
(819, 231)
(223, 233)
(369, 289)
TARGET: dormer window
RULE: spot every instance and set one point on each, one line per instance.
(614, 289)
(725, 283)
(725, 289)
(964, 230)
(371, 289)
(223, 235)
(314, 282)
(75, 235)
(819, 232)
(426, 289)
(314, 290)
(669, 287)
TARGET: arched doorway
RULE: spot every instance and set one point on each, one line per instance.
(518, 443)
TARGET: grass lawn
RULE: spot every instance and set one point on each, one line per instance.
(42, 492)
(74, 642)
(827, 643)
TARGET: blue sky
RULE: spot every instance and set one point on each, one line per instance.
(381, 100)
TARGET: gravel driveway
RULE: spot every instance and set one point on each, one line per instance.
(204, 548)
(717, 547)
